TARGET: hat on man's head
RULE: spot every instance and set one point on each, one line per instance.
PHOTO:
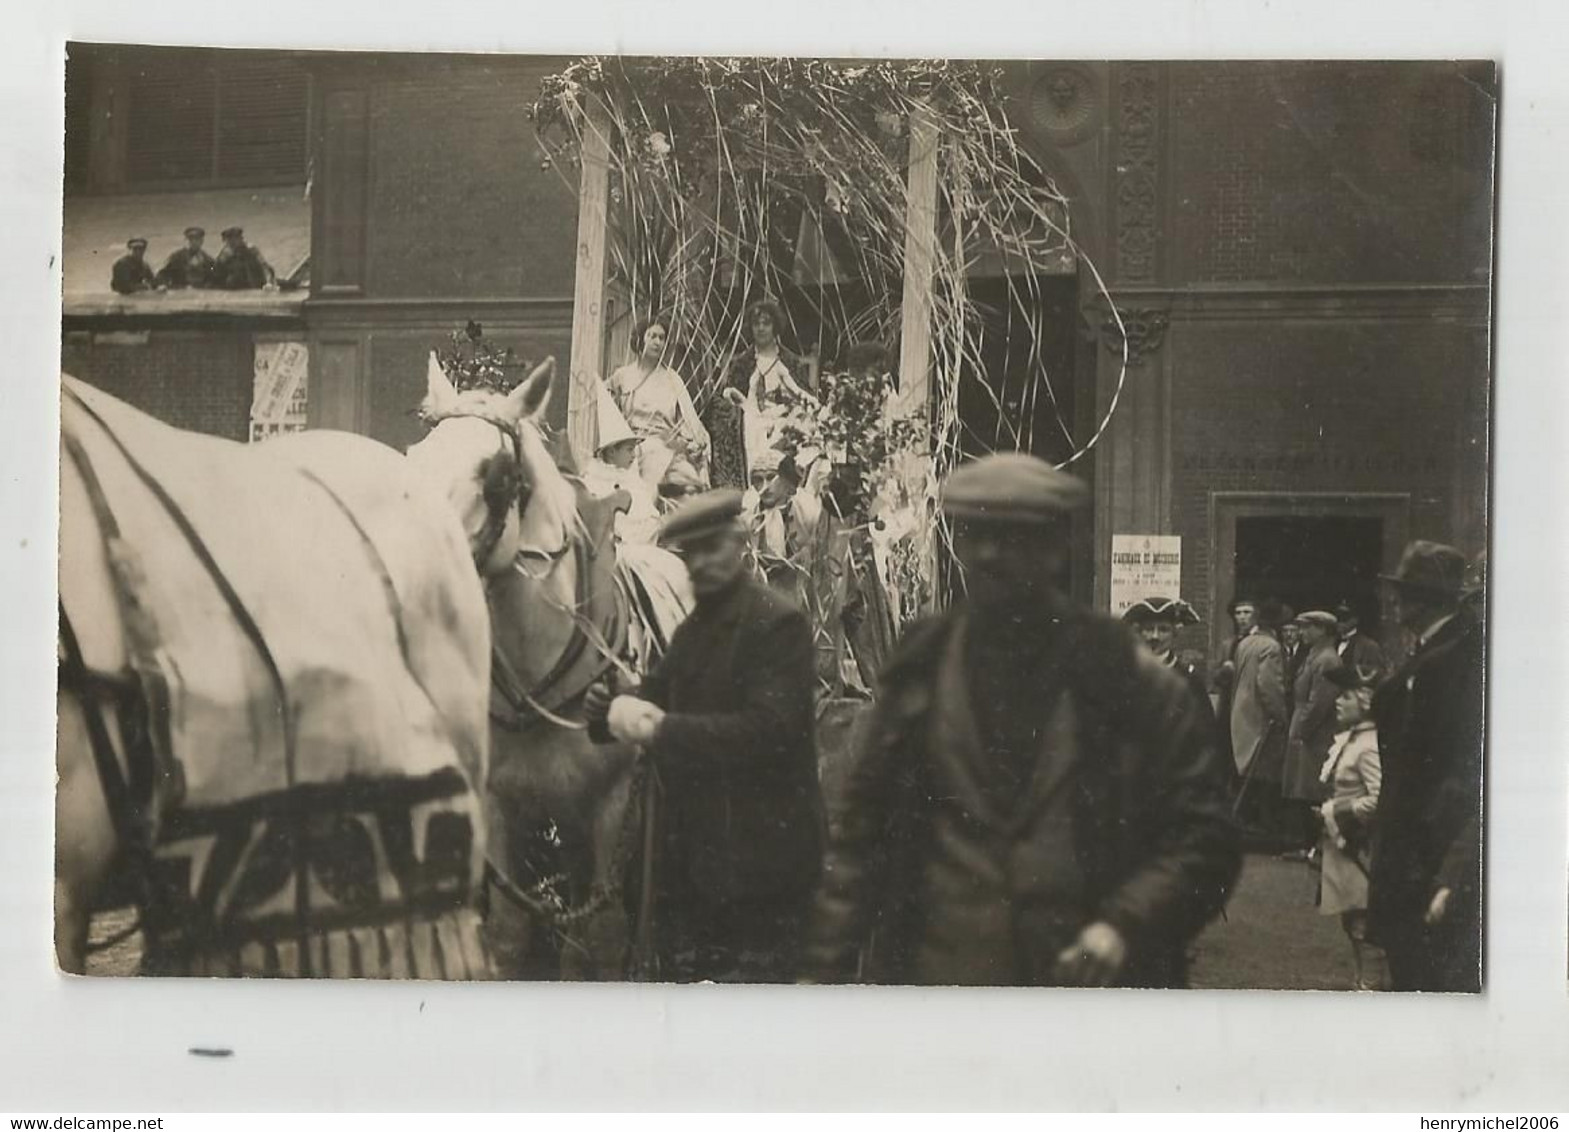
(1344, 611)
(1172, 609)
(703, 515)
(767, 461)
(1317, 617)
(136, 242)
(1271, 612)
(195, 230)
(1430, 567)
(1011, 487)
(1344, 675)
(234, 231)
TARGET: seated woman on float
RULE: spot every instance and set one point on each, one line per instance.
(655, 403)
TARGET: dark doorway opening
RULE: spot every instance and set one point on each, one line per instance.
(1010, 408)
(1312, 562)
(1027, 329)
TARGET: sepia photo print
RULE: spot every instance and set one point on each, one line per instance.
(774, 520)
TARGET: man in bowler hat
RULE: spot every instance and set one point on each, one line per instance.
(1425, 896)
(1036, 800)
(1355, 648)
(728, 719)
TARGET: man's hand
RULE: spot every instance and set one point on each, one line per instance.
(633, 720)
(1437, 908)
(596, 702)
(1095, 960)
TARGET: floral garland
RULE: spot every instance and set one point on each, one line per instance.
(471, 361)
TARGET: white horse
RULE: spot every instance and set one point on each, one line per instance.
(563, 820)
(274, 669)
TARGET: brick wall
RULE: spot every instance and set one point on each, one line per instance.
(459, 203)
(1351, 406)
(193, 379)
(398, 360)
(1330, 172)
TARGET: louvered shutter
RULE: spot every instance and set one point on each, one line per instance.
(169, 136)
(263, 109)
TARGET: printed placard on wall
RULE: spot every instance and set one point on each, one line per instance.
(279, 398)
(1144, 566)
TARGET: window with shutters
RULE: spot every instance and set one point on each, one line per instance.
(200, 118)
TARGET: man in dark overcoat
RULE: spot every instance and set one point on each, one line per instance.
(131, 273)
(1036, 799)
(1359, 651)
(1425, 895)
(728, 718)
(240, 266)
(189, 266)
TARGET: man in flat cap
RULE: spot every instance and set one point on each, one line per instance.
(1155, 621)
(1425, 898)
(131, 273)
(1259, 713)
(189, 266)
(1036, 800)
(728, 719)
(239, 266)
(1311, 730)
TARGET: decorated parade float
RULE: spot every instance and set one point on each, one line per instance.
(844, 205)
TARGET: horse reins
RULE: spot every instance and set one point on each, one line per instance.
(146, 676)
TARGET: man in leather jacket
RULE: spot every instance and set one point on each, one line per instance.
(1036, 800)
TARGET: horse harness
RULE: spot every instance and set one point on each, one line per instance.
(599, 619)
(153, 783)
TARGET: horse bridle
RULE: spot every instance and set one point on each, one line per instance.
(517, 490)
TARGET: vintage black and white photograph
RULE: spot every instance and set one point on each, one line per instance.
(774, 520)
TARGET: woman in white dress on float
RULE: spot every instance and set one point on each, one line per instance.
(657, 407)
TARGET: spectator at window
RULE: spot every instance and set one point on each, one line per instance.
(190, 266)
(239, 266)
(131, 274)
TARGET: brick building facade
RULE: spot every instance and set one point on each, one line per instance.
(431, 208)
(158, 139)
(1301, 254)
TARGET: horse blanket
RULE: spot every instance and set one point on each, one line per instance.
(318, 723)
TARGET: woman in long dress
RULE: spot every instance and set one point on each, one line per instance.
(654, 400)
(767, 382)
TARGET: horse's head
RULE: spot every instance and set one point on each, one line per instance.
(485, 451)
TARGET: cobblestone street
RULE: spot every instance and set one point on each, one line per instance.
(1272, 935)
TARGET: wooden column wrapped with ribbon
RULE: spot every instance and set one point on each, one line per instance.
(588, 291)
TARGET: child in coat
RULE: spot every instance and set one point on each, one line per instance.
(1352, 776)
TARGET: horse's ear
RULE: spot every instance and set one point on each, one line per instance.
(440, 395)
(530, 397)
